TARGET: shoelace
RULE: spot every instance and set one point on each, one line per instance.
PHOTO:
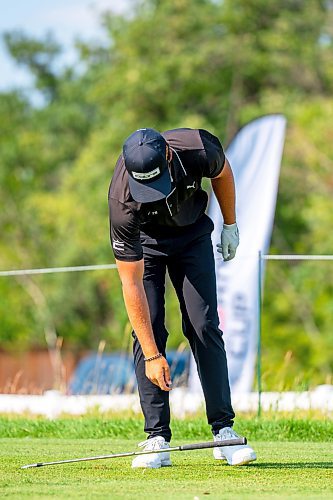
(227, 433)
(150, 444)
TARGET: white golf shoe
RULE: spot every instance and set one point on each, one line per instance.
(234, 455)
(153, 460)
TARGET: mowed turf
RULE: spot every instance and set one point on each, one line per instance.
(284, 468)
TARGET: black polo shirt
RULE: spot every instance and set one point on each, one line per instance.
(196, 154)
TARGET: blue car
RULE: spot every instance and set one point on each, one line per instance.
(114, 373)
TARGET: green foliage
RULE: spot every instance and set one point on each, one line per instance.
(267, 428)
(210, 64)
(38, 56)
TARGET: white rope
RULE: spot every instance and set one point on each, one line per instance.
(48, 270)
(297, 257)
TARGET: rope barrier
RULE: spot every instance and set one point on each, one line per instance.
(50, 270)
(297, 257)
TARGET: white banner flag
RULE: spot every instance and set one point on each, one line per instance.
(255, 156)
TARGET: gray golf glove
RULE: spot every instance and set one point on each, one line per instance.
(229, 241)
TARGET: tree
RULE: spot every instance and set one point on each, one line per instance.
(197, 63)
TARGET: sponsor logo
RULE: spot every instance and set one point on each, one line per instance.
(146, 175)
(118, 245)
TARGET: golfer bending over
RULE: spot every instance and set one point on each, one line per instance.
(158, 223)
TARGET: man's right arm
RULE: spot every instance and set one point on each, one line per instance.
(131, 276)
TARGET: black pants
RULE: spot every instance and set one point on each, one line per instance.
(191, 267)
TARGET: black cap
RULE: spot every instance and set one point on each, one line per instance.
(145, 160)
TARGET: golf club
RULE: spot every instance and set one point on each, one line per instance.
(184, 447)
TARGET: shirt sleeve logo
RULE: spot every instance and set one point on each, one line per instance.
(118, 245)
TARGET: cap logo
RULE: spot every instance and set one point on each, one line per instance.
(146, 175)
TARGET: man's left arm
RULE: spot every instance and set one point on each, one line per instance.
(224, 189)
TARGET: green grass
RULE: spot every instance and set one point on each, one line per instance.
(283, 469)
(290, 462)
(87, 427)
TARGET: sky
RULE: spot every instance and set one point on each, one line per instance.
(67, 19)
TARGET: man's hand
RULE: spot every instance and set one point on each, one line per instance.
(229, 241)
(158, 372)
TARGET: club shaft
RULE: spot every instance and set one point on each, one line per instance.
(185, 447)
